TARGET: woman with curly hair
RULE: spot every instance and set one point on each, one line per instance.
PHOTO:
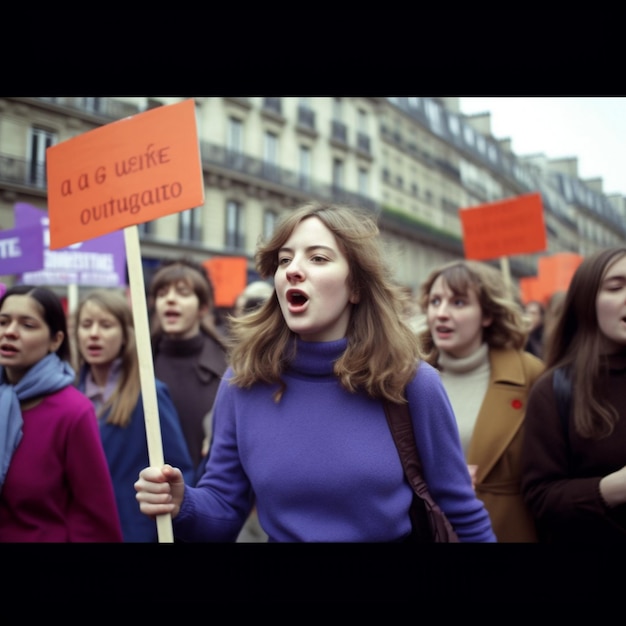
(475, 337)
(299, 420)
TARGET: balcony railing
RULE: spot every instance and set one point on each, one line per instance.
(32, 174)
(108, 108)
(22, 172)
(214, 155)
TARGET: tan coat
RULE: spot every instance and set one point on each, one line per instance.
(496, 443)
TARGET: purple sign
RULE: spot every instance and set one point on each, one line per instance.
(98, 262)
(20, 250)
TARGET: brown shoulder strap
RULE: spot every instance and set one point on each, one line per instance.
(429, 521)
(399, 420)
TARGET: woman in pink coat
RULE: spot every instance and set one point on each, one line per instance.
(54, 478)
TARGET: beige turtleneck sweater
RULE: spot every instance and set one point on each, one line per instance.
(465, 381)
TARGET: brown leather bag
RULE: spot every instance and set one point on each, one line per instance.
(429, 522)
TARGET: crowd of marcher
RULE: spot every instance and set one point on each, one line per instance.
(273, 423)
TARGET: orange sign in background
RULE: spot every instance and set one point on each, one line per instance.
(229, 276)
(556, 271)
(531, 289)
(554, 274)
(504, 228)
(124, 173)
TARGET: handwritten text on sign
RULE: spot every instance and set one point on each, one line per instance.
(124, 173)
(504, 228)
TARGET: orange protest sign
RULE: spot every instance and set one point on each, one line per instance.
(229, 276)
(531, 289)
(557, 270)
(554, 274)
(124, 173)
(504, 228)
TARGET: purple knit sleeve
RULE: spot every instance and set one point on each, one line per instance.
(444, 466)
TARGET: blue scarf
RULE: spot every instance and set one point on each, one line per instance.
(45, 377)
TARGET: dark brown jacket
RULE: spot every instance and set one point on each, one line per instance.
(562, 470)
(192, 369)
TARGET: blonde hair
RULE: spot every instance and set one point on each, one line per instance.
(507, 329)
(126, 393)
(382, 354)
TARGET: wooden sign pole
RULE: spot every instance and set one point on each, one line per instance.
(72, 298)
(97, 183)
(146, 366)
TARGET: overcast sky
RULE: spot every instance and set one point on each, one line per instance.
(591, 129)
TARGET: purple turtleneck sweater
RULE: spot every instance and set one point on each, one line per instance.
(322, 462)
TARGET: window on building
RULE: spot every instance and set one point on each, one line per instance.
(362, 121)
(235, 135)
(337, 110)
(92, 104)
(305, 167)
(363, 181)
(270, 148)
(189, 225)
(338, 173)
(235, 233)
(146, 228)
(270, 156)
(40, 140)
(434, 114)
(269, 223)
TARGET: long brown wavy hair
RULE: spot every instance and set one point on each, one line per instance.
(576, 344)
(382, 354)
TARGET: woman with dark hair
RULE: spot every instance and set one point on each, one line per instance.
(475, 337)
(574, 454)
(108, 374)
(189, 352)
(54, 479)
(299, 424)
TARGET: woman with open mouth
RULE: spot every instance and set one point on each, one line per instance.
(475, 337)
(54, 479)
(299, 419)
(188, 350)
(108, 374)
